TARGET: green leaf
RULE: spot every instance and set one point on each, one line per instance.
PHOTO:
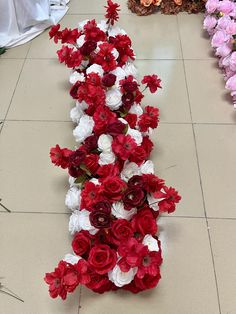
(2, 50)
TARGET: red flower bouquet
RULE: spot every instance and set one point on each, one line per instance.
(114, 195)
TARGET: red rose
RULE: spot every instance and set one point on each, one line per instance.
(138, 156)
(109, 80)
(136, 182)
(110, 170)
(121, 230)
(81, 242)
(123, 146)
(102, 258)
(91, 163)
(113, 188)
(144, 222)
(133, 197)
(99, 283)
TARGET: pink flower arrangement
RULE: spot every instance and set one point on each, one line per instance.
(114, 195)
(221, 26)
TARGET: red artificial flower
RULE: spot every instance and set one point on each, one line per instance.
(100, 219)
(129, 85)
(152, 81)
(102, 117)
(133, 197)
(131, 118)
(82, 268)
(102, 259)
(122, 44)
(149, 119)
(64, 53)
(110, 170)
(147, 282)
(121, 230)
(91, 163)
(152, 183)
(91, 143)
(99, 283)
(144, 222)
(147, 145)
(90, 195)
(138, 96)
(113, 188)
(150, 264)
(136, 182)
(92, 94)
(82, 242)
(116, 128)
(76, 158)
(139, 155)
(60, 156)
(123, 146)
(112, 12)
(69, 36)
(92, 32)
(64, 279)
(127, 100)
(74, 60)
(109, 79)
(105, 58)
(88, 47)
(170, 198)
(54, 33)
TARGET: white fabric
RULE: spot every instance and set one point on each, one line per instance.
(22, 20)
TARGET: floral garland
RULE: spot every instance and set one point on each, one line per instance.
(221, 26)
(114, 195)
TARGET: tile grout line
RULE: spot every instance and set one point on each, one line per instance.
(200, 178)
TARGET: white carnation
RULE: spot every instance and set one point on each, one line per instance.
(147, 167)
(80, 41)
(119, 73)
(104, 143)
(136, 109)
(74, 224)
(120, 278)
(116, 30)
(103, 25)
(71, 181)
(72, 259)
(113, 99)
(115, 53)
(84, 128)
(76, 76)
(130, 69)
(119, 212)
(151, 243)
(85, 222)
(130, 169)
(95, 68)
(106, 158)
(73, 198)
(136, 135)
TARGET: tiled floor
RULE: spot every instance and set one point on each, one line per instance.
(194, 150)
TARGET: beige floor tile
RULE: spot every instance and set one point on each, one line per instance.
(195, 41)
(187, 284)
(42, 92)
(10, 70)
(223, 238)
(209, 100)
(94, 6)
(217, 155)
(165, 44)
(19, 52)
(175, 161)
(29, 182)
(31, 245)
(172, 99)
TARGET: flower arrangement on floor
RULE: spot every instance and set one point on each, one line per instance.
(146, 7)
(221, 26)
(114, 195)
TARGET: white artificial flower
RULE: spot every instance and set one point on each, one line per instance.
(71, 181)
(130, 169)
(113, 99)
(102, 25)
(147, 167)
(153, 202)
(130, 69)
(82, 23)
(95, 68)
(80, 41)
(115, 53)
(74, 224)
(78, 111)
(120, 212)
(104, 143)
(106, 158)
(85, 222)
(136, 135)
(72, 259)
(84, 128)
(120, 278)
(119, 73)
(151, 243)
(94, 181)
(116, 30)
(76, 76)
(73, 198)
(136, 109)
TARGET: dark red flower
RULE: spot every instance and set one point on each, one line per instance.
(129, 85)
(109, 80)
(147, 145)
(136, 182)
(104, 206)
(144, 222)
(88, 47)
(76, 158)
(82, 242)
(123, 146)
(99, 283)
(152, 81)
(112, 12)
(131, 118)
(127, 100)
(100, 219)
(102, 258)
(91, 143)
(133, 197)
(116, 128)
(170, 198)
(91, 163)
(60, 156)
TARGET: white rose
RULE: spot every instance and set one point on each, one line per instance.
(119, 212)
(76, 76)
(116, 30)
(84, 128)
(151, 243)
(103, 25)
(72, 259)
(136, 135)
(104, 143)
(120, 278)
(136, 109)
(147, 167)
(74, 224)
(73, 198)
(78, 111)
(115, 53)
(85, 222)
(95, 68)
(80, 41)
(106, 158)
(113, 99)
(119, 73)
(130, 69)
(82, 23)
(130, 169)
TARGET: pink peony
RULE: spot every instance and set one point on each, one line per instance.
(219, 39)
(226, 6)
(224, 50)
(232, 61)
(223, 22)
(209, 23)
(231, 83)
(231, 28)
(212, 5)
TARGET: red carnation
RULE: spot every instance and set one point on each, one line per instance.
(170, 197)
(147, 145)
(131, 118)
(82, 242)
(92, 32)
(54, 33)
(123, 146)
(60, 156)
(102, 116)
(69, 36)
(149, 119)
(64, 53)
(112, 12)
(113, 188)
(105, 57)
(144, 222)
(102, 258)
(152, 81)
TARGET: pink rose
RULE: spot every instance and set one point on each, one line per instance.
(223, 50)
(225, 6)
(223, 22)
(232, 61)
(219, 39)
(231, 28)
(209, 23)
(231, 83)
(212, 5)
